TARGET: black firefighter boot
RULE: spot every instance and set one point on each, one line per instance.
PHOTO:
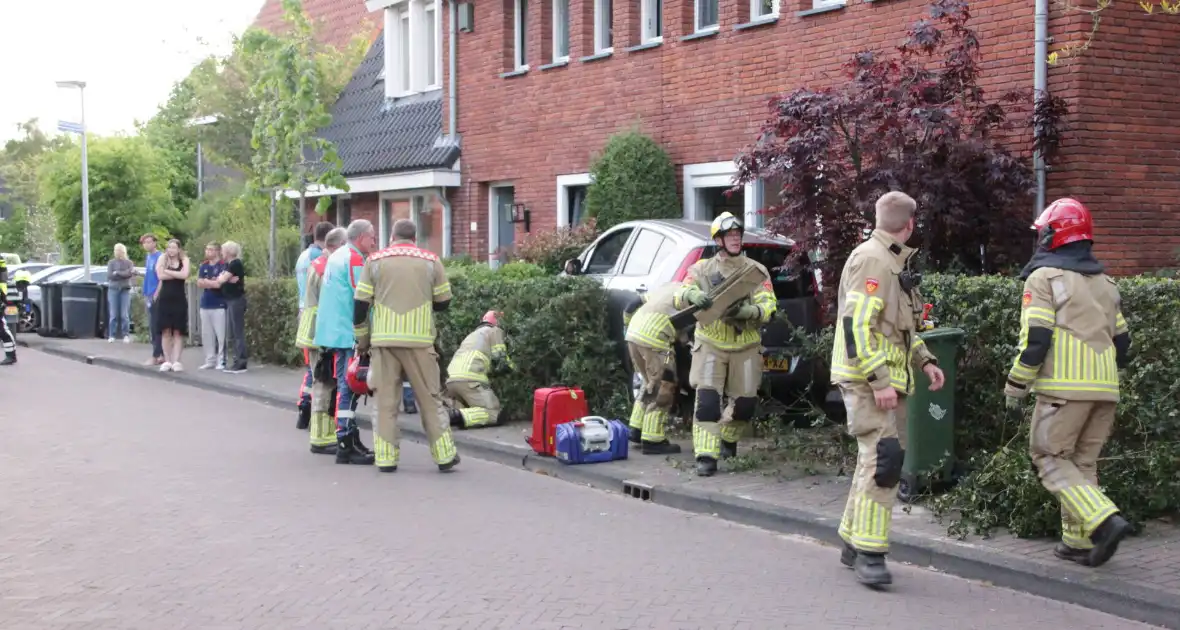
(1073, 554)
(663, 447)
(449, 466)
(1106, 539)
(635, 436)
(706, 466)
(456, 417)
(349, 450)
(304, 421)
(848, 555)
(871, 570)
(9, 358)
(728, 449)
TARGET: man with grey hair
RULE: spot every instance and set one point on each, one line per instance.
(334, 334)
(876, 352)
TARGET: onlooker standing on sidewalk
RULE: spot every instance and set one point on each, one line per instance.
(120, 269)
(171, 303)
(151, 282)
(233, 289)
(212, 308)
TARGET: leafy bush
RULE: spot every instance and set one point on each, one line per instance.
(551, 248)
(632, 179)
(272, 317)
(234, 214)
(1140, 468)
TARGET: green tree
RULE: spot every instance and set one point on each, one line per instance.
(175, 139)
(632, 179)
(236, 213)
(29, 231)
(129, 195)
(288, 153)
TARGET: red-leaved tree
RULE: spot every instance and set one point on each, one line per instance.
(916, 121)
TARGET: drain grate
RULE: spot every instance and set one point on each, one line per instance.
(637, 490)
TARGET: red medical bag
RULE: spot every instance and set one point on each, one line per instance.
(553, 406)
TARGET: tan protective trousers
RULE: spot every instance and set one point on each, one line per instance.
(869, 510)
(737, 375)
(1066, 438)
(480, 405)
(323, 425)
(651, 409)
(420, 367)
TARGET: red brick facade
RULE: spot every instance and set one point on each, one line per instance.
(704, 98)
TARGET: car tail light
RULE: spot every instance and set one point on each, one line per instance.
(689, 261)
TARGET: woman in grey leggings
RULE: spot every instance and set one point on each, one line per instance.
(233, 289)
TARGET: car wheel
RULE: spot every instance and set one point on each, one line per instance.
(30, 320)
(636, 386)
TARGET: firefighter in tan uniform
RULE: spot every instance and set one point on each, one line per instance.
(397, 295)
(1073, 342)
(650, 338)
(482, 352)
(726, 354)
(875, 354)
(323, 383)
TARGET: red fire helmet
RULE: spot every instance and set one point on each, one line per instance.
(491, 318)
(358, 375)
(1064, 221)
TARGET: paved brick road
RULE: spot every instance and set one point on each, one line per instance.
(133, 503)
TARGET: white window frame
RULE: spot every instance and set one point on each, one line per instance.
(717, 175)
(696, 17)
(649, 12)
(819, 4)
(415, 64)
(562, 26)
(520, 40)
(427, 196)
(603, 16)
(756, 7)
(564, 183)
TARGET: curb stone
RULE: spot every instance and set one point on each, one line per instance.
(1084, 588)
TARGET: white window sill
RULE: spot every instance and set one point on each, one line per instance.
(702, 33)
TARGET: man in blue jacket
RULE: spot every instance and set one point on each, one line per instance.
(150, 282)
(302, 266)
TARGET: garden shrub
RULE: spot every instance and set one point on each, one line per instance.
(551, 248)
(1140, 466)
(632, 179)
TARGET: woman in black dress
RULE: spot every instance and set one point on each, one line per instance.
(172, 304)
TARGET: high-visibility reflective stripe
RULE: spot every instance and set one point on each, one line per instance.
(364, 290)
(864, 309)
(345, 413)
(722, 336)
(1120, 324)
(896, 358)
(384, 453)
(361, 331)
(475, 416)
(415, 326)
(1074, 360)
(732, 431)
(305, 334)
(323, 429)
(1088, 505)
(1072, 535)
(870, 525)
(653, 425)
(704, 443)
(470, 365)
(1022, 373)
(443, 449)
(653, 330)
(636, 420)
(442, 289)
(1040, 315)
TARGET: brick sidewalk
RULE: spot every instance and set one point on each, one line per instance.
(1142, 582)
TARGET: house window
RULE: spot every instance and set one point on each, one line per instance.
(603, 40)
(705, 188)
(343, 211)
(764, 8)
(705, 13)
(561, 30)
(412, 48)
(520, 34)
(651, 17)
(571, 199)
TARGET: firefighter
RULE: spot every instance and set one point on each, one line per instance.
(401, 287)
(321, 421)
(482, 352)
(650, 338)
(726, 354)
(302, 274)
(1073, 342)
(873, 360)
(334, 334)
(7, 341)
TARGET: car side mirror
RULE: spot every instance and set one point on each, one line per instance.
(573, 267)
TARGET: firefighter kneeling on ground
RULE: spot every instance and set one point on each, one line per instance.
(650, 338)
(483, 352)
(1073, 343)
(726, 354)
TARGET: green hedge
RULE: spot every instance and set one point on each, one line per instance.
(1140, 469)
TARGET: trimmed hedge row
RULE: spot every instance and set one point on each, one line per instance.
(1140, 467)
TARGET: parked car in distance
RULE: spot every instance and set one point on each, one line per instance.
(637, 256)
(59, 273)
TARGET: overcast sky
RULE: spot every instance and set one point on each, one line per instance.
(129, 53)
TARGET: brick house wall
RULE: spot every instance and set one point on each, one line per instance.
(704, 98)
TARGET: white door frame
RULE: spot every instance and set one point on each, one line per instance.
(716, 175)
(494, 220)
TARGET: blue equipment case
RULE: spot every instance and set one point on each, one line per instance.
(590, 440)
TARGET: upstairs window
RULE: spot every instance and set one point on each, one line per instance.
(413, 57)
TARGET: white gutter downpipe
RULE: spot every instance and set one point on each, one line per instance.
(1040, 88)
(448, 221)
(452, 89)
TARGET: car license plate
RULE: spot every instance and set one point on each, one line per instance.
(779, 364)
(10, 310)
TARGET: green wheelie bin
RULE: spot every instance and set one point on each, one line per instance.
(930, 428)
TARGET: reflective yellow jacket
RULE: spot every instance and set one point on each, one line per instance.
(305, 334)
(722, 335)
(476, 354)
(650, 324)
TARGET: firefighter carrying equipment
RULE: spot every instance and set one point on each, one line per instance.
(876, 334)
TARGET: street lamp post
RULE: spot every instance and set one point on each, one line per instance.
(197, 122)
(81, 86)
